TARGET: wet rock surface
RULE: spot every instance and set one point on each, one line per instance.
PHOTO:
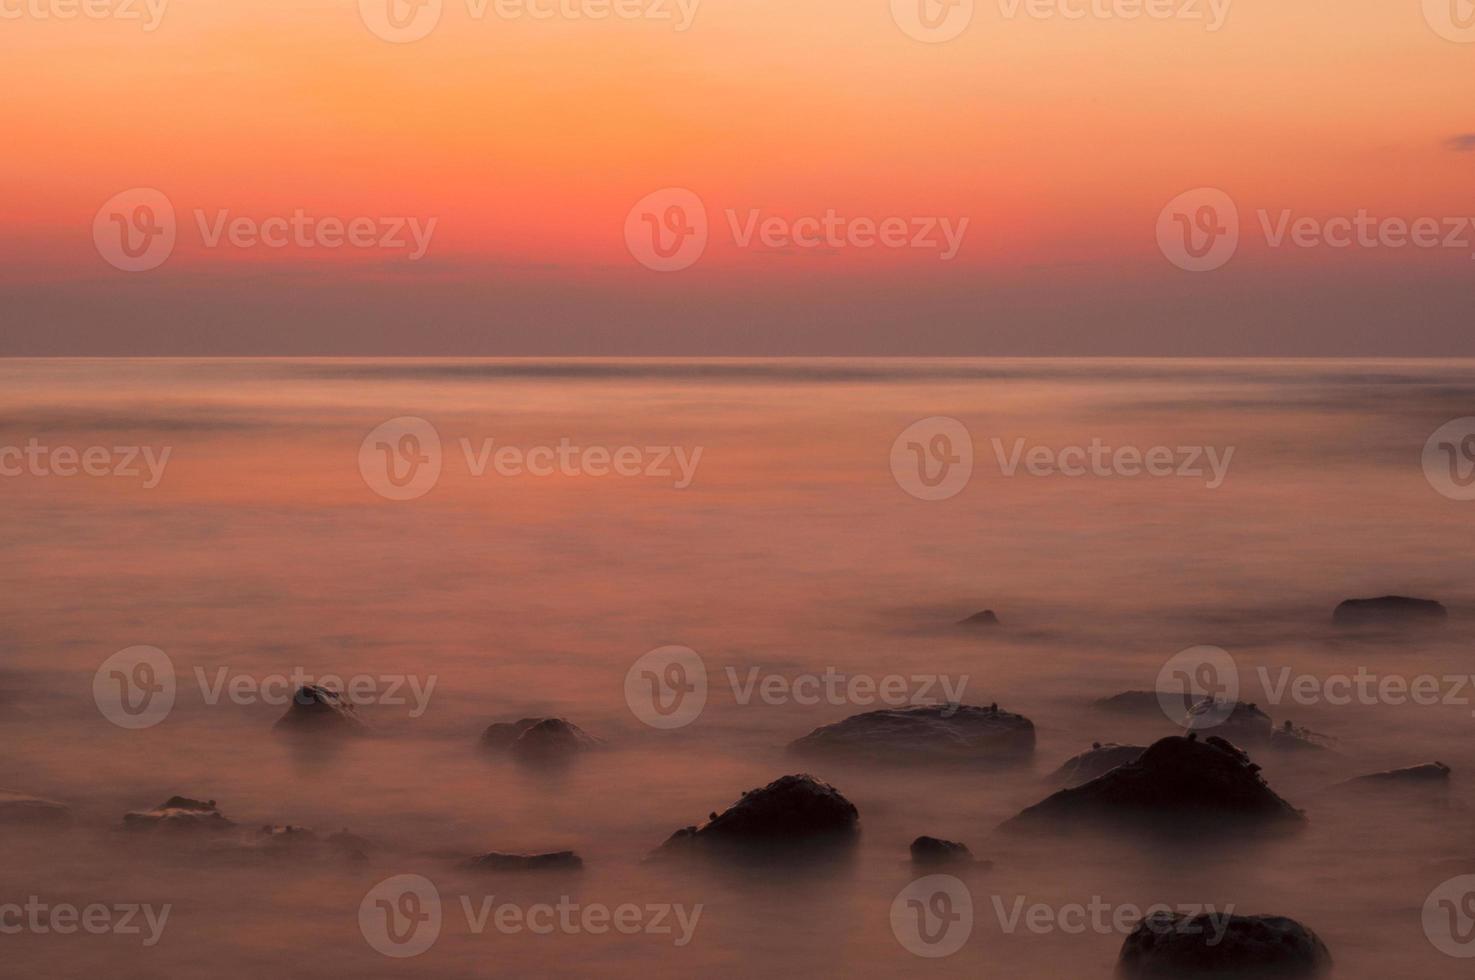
(538, 739)
(1100, 758)
(551, 861)
(1180, 779)
(795, 811)
(1174, 946)
(1389, 610)
(924, 733)
(317, 710)
(179, 814)
(933, 851)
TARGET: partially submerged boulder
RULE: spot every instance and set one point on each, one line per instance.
(1290, 737)
(552, 861)
(933, 851)
(179, 814)
(1142, 702)
(539, 739)
(1100, 758)
(294, 843)
(317, 710)
(1178, 781)
(1235, 721)
(18, 809)
(1432, 775)
(1174, 946)
(924, 733)
(1390, 610)
(793, 812)
(983, 619)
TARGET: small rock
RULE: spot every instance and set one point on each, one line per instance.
(179, 813)
(1237, 722)
(935, 851)
(925, 733)
(553, 861)
(983, 619)
(1174, 946)
(19, 809)
(317, 710)
(1389, 610)
(1142, 702)
(539, 739)
(1433, 774)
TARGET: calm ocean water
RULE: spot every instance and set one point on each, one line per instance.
(787, 546)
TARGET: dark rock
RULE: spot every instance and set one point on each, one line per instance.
(179, 813)
(924, 733)
(289, 842)
(319, 710)
(985, 618)
(1180, 780)
(1237, 721)
(1292, 738)
(554, 861)
(1390, 610)
(1099, 759)
(17, 809)
(1173, 946)
(934, 851)
(794, 810)
(539, 739)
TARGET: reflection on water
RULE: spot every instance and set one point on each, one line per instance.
(794, 551)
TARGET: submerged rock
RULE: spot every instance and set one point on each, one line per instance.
(794, 811)
(552, 861)
(317, 710)
(1236, 721)
(1293, 738)
(1142, 702)
(925, 733)
(1178, 779)
(1389, 610)
(539, 739)
(1100, 758)
(935, 851)
(1174, 946)
(289, 842)
(1430, 775)
(983, 619)
(179, 813)
(32, 811)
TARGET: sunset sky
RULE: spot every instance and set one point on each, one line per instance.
(529, 140)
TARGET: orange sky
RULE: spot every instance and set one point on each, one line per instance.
(528, 141)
